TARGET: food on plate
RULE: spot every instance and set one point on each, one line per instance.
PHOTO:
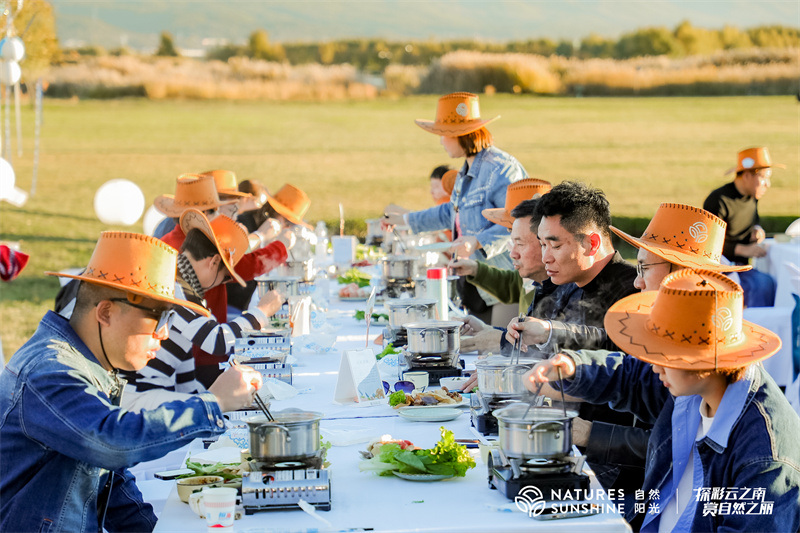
(379, 318)
(447, 458)
(374, 446)
(437, 397)
(354, 291)
(354, 275)
(227, 471)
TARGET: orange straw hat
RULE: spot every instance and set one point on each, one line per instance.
(516, 192)
(191, 191)
(138, 264)
(456, 114)
(693, 322)
(225, 181)
(292, 203)
(449, 181)
(753, 159)
(229, 237)
(686, 236)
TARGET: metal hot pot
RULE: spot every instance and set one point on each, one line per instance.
(293, 436)
(399, 267)
(286, 285)
(543, 433)
(406, 310)
(434, 337)
(302, 269)
(500, 380)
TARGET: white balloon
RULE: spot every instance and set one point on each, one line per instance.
(10, 73)
(119, 202)
(7, 179)
(12, 49)
(152, 218)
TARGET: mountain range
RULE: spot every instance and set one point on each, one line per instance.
(138, 23)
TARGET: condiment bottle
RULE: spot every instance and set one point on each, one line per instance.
(436, 285)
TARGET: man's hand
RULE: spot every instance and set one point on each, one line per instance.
(470, 383)
(472, 325)
(288, 238)
(250, 203)
(271, 302)
(758, 234)
(533, 331)
(547, 370)
(236, 387)
(485, 341)
(580, 431)
(464, 267)
(390, 220)
(750, 250)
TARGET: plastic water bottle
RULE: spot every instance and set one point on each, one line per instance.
(322, 239)
(436, 285)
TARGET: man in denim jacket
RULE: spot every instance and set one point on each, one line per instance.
(64, 441)
(723, 453)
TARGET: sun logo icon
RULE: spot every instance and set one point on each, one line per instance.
(530, 501)
(699, 232)
(461, 109)
(723, 319)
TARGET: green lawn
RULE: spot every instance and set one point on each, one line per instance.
(367, 154)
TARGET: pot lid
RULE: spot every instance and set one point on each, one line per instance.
(433, 324)
(514, 413)
(409, 302)
(285, 417)
(288, 279)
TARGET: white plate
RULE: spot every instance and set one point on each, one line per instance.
(422, 477)
(429, 414)
(353, 298)
(434, 247)
(463, 403)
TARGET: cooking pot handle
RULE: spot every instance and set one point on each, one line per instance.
(536, 425)
(262, 429)
(437, 330)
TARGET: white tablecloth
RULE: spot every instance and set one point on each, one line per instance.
(774, 264)
(365, 500)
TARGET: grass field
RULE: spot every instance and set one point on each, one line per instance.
(366, 154)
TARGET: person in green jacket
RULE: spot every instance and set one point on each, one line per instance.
(508, 286)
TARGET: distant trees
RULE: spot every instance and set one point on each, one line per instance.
(36, 25)
(166, 46)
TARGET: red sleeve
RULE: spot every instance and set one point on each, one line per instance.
(261, 261)
(175, 238)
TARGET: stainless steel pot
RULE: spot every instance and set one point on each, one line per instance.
(399, 267)
(286, 285)
(304, 270)
(544, 432)
(293, 436)
(421, 288)
(405, 310)
(499, 379)
(434, 337)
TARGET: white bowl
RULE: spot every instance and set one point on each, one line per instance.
(453, 384)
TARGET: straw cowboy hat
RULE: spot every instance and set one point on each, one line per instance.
(191, 191)
(753, 159)
(693, 322)
(137, 264)
(291, 203)
(449, 181)
(225, 181)
(516, 192)
(685, 235)
(456, 114)
(228, 236)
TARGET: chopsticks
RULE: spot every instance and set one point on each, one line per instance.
(259, 402)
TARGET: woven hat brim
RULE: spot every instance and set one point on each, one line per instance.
(683, 259)
(625, 324)
(202, 223)
(286, 212)
(452, 130)
(165, 204)
(498, 215)
(175, 301)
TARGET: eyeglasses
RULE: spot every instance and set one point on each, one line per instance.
(640, 267)
(405, 386)
(164, 317)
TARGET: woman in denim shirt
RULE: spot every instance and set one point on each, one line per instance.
(722, 455)
(481, 183)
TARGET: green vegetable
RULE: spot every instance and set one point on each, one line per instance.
(389, 350)
(361, 315)
(397, 397)
(325, 445)
(217, 469)
(354, 275)
(446, 458)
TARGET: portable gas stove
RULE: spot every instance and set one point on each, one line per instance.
(274, 344)
(554, 478)
(281, 371)
(398, 337)
(397, 288)
(436, 365)
(481, 407)
(280, 486)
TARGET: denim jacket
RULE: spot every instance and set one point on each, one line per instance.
(483, 186)
(759, 451)
(62, 432)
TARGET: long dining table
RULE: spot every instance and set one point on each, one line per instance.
(364, 501)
